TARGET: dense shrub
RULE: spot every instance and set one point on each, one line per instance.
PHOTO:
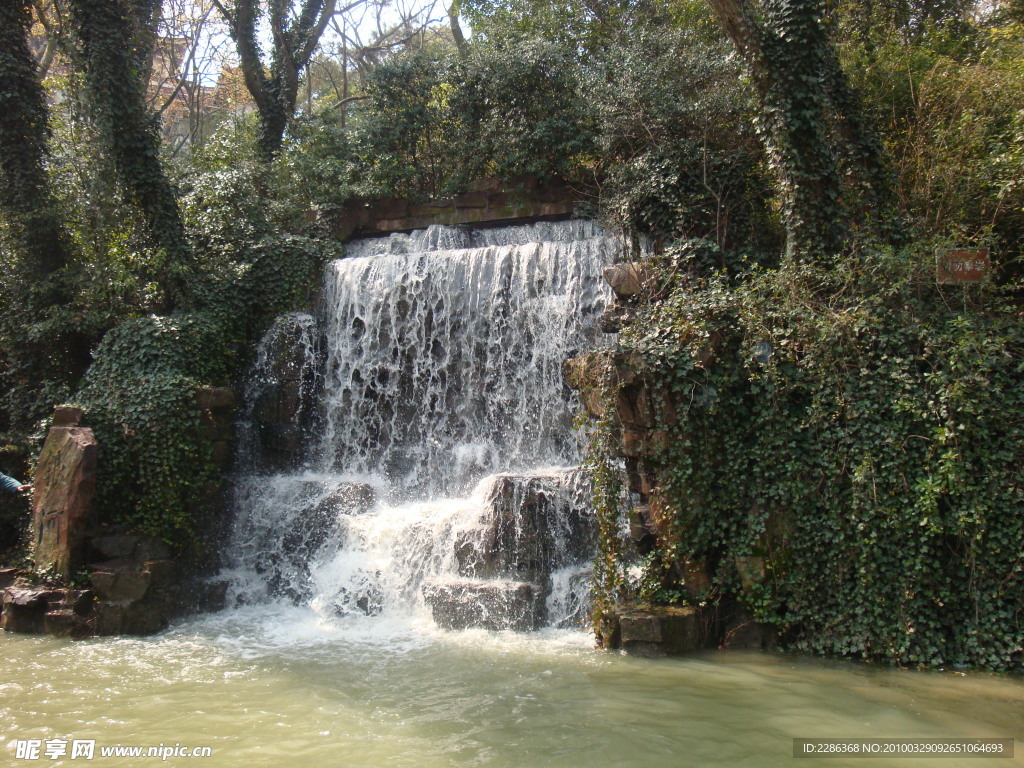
(857, 429)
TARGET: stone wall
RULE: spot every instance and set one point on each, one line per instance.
(489, 202)
(640, 414)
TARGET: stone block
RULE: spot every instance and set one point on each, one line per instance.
(216, 398)
(24, 609)
(662, 631)
(471, 200)
(129, 546)
(64, 486)
(120, 582)
(222, 454)
(163, 574)
(64, 622)
(110, 618)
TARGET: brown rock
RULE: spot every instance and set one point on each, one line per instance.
(62, 499)
(662, 631)
(627, 279)
(67, 416)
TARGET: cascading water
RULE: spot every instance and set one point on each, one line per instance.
(438, 479)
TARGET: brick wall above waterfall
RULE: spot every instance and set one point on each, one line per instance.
(489, 201)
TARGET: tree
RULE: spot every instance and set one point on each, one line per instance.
(295, 35)
(25, 199)
(803, 91)
(116, 39)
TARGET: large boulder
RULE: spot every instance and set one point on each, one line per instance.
(65, 483)
(495, 604)
(531, 526)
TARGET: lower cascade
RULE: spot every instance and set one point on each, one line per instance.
(409, 452)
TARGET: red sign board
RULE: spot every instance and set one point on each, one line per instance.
(962, 265)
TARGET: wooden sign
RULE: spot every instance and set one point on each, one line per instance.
(962, 265)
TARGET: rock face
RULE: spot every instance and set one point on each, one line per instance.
(616, 383)
(282, 397)
(494, 605)
(64, 486)
(532, 528)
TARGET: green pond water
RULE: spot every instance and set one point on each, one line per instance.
(280, 686)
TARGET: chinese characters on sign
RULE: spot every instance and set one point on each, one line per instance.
(962, 265)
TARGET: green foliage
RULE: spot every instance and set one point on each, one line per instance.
(953, 126)
(856, 429)
(139, 393)
(435, 121)
(676, 145)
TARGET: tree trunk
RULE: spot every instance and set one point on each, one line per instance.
(25, 199)
(784, 49)
(114, 35)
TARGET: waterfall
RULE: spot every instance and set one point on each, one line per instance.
(436, 472)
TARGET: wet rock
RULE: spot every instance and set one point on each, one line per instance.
(532, 525)
(205, 595)
(282, 404)
(62, 497)
(24, 609)
(314, 524)
(493, 605)
(662, 631)
(349, 499)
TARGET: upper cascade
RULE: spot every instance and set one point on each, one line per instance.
(445, 349)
